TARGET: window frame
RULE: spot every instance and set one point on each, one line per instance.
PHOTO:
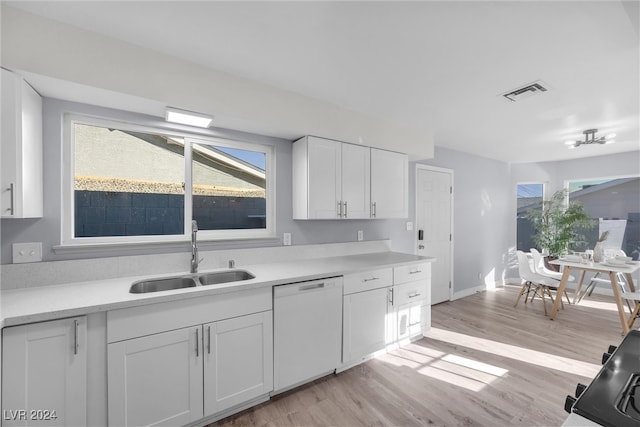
(190, 136)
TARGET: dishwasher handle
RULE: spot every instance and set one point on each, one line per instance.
(302, 287)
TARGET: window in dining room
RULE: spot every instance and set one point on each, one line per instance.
(615, 204)
(529, 198)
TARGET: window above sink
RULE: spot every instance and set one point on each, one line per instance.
(130, 183)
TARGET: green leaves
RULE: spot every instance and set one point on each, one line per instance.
(556, 224)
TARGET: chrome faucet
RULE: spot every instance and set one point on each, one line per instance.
(194, 247)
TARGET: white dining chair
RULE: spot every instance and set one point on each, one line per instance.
(597, 278)
(540, 268)
(541, 284)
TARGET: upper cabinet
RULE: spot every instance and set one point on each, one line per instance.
(21, 144)
(389, 184)
(334, 180)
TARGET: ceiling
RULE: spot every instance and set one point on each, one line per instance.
(440, 66)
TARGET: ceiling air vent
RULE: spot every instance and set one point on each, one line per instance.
(525, 91)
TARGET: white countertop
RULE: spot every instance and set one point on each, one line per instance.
(37, 304)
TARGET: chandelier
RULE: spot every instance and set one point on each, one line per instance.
(590, 138)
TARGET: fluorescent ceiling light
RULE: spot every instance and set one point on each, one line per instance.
(190, 118)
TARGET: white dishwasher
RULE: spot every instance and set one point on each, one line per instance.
(307, 327)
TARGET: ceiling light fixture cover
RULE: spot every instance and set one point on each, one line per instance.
(590, 138)
(190, 118)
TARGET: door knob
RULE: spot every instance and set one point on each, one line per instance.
(420, 246)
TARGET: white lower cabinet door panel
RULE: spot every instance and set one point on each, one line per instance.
(156, 380)
(238, 361)
(364, 324)
(44, 374)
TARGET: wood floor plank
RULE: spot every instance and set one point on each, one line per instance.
(484, 363)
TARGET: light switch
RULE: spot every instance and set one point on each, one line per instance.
(27, 252)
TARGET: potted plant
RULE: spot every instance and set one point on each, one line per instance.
(556, 225)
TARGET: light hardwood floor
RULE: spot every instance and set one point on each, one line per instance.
(484, 363)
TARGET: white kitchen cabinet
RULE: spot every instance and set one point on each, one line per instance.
(44, 373)
(331, 179)
(412, 301)
(169, 365)
(238, 361)
(366, 304)
(389, 184)
(156, 380)
(21, 175)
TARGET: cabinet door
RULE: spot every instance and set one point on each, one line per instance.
(44, 374)
(238, 361)
(364, 324)
(324, 160)
(156, 380)
(389, 184)
(21, 142)
(356, 181)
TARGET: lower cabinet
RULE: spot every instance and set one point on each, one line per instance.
(383, 309)
(238, 361)
(177, 377)
(156, 380)
(44, 373)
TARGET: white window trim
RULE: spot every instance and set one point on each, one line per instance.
(69, 242)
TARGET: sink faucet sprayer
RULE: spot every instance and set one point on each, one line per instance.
(194, 247)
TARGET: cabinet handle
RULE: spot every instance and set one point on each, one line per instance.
(11, 197)
(340, 209)
(345, 210)
(369, 280)
(391, 296)
(415, 272)
(373, 209)
(197, 344)
(208, 339)
(414, 295)
(75, 337)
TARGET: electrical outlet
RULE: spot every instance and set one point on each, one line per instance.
(286, 239)
(27, 252)
(360, 235)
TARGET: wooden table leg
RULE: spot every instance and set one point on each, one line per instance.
(616, 294)
(577, 293)
(561, 288)
(632, 288)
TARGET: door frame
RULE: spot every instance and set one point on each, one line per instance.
(420, 166)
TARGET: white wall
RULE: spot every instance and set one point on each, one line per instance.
(47, 229)
(49, 48)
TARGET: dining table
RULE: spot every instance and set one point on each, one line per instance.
(610, 269)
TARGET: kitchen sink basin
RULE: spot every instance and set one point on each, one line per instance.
(225, 277)
(181, 282)
(164, 284)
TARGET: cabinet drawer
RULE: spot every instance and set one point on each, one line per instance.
(411, 273)
(150, 319)
(413, 292)
(367, 280)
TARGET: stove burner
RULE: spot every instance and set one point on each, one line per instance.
(629, 403)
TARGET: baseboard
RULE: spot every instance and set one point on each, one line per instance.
(468, 292)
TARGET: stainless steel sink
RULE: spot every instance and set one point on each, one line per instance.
(224, 277)
(164, 284)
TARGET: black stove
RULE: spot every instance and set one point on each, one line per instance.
(613, 397)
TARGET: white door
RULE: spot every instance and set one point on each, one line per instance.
(325, 181)
(434, 216)
(156, 380)
(44, 370)
(364, 324)
(356, 181)
(238, 361)
(389, 185)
